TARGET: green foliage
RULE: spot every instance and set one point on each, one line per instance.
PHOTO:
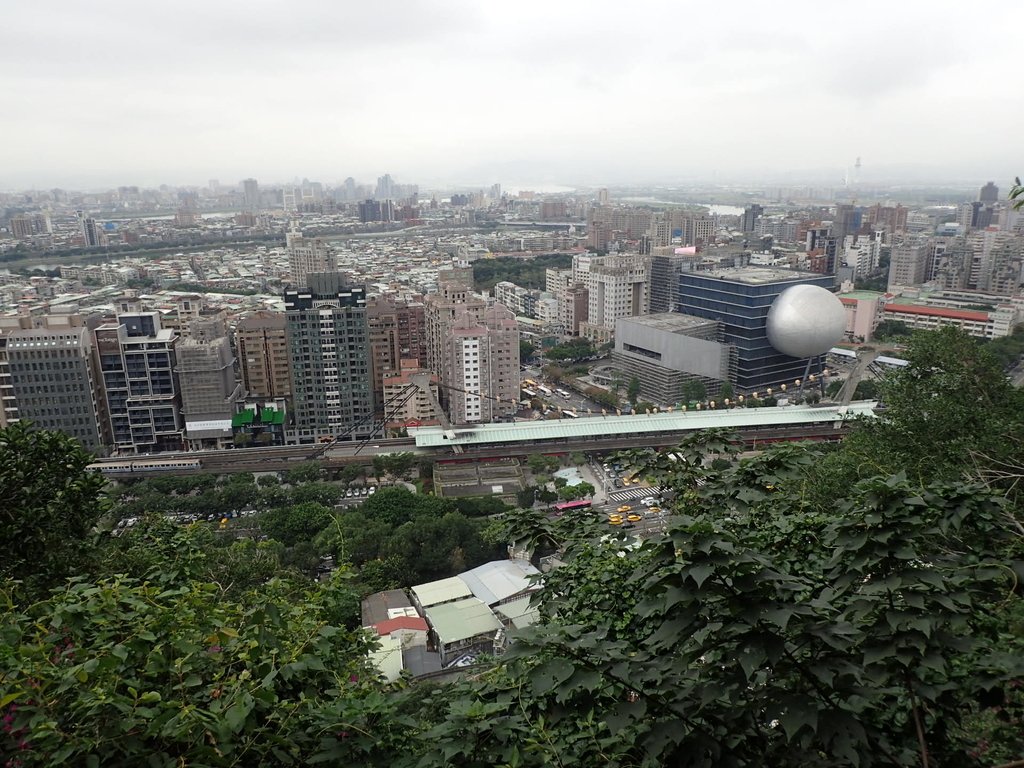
(304, 472)
(120, 672)
(892, 329)
(526, 351)
(293, 524)
(481, 506)
(693, 390)
(949, 408)
(1008, 350)
(426, 535)
(573, 350)
(50, 505)
(528, 273)
(633, 390)
(759, 630)
(574, 492)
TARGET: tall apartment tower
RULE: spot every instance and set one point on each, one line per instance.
(908, 263)
(209, 392)
(480, 365)
(618, 288)
(307, 255)
(989, 193)
(748, 222)
(54, 381)
(454, 294)
(664, 282)
(87, 226)
(251, 194)
(412, 332)
(137, 359)
(385, 349)
(328, 344)
(261, 340)
(473, 347)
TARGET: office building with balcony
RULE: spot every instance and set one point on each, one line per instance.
(137, 362)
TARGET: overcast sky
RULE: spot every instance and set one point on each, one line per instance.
(519, 92)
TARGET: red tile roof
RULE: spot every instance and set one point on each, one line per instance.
(401, 622)
(953, 314)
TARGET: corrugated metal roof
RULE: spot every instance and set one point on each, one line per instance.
(613, 426)
(441, 591)
(462, 620)
(519, 612)
(499, 580)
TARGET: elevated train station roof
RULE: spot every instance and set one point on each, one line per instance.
(596, 427)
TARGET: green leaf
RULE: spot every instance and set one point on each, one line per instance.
(150, 697)
(700, 573)
(5, 700)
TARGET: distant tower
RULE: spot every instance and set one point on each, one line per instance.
(856, 172)
(251, 192)
(989, 193)
(88, 227)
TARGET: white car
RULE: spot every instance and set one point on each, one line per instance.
(649, 501)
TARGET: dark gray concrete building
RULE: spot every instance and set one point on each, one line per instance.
(54, 381)
(329, 350)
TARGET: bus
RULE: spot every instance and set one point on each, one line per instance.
(529, 392)
(529, 382)
(562, 393)
(565, 506)
(545, 390)
(569, 415)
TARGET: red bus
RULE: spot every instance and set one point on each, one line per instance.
(565, 506)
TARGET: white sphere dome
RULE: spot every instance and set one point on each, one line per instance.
(806, 320)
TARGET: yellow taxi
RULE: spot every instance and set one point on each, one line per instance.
(653, 510)
(614, 520)
(624, 509)
(634, 518)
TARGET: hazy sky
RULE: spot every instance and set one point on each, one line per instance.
(594, 92)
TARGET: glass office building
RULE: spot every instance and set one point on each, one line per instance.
(740, 298)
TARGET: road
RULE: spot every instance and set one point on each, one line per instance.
(575, 401)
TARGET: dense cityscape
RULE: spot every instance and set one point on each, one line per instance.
(637, 285)
(466, 385)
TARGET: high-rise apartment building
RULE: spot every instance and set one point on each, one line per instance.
(748, 222)
(307, 255)
(739, 298)
(251, 194)
(209, 392)
(385, 348)
(908, 263)
(87, 226)
(54, 381)
(989, 193)
(261, 340)
(412, 332)
(328, 344)
(480, 365)
(617, 287)
(137, 361)
(474, 349)
(664, 281)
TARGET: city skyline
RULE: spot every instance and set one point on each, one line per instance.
(570, 94)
